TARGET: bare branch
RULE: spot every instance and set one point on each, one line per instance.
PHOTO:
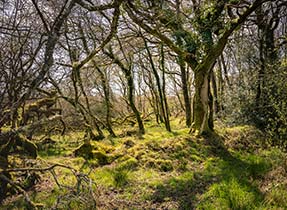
(89, 6)
(114, 26)
(41, 16)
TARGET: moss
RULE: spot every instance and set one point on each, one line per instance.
(183, 169)
(125, 133)
(195, 158)
(96, 150)
(178, 146)
(102, 157)
(129, 143)
(138, 151)
(120, 177)
(103, 147)
(129, 164)
(153, 145)
(46, 143)
(162, 165)
(139, 154)
(165, 165)
(28, 146)
(182, 165)
(149, 162)
(85, 151)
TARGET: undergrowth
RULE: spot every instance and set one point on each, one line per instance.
(232, 169)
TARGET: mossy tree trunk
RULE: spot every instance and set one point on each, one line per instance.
(216, 102)
(166, 109)
(201, 103)
(203, 98)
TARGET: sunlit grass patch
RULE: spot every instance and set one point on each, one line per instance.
(103, 176)
(229, 194)
(120, 177)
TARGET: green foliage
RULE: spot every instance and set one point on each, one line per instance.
(229, 194)
(261, 93)
(120, 177)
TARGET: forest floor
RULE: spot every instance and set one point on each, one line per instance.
(232, 169)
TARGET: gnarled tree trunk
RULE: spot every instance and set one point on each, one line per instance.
(201, 104)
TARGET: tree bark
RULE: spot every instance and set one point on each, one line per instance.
(165, 104)
(216, 104)
(104, 83)
(201, 106)
(185, 93)
(131, 101)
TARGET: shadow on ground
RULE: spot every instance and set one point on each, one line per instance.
(220, 166)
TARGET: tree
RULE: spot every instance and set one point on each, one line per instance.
(204, 40)
(127, 71)
(160, 93)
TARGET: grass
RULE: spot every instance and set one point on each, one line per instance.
(120, 177)
(173, 170)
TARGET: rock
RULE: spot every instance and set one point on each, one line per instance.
(85, 151)
(102, 157)
(129, 143)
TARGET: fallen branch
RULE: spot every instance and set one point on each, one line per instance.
(37, 169)
(76, 191)
(16, 186)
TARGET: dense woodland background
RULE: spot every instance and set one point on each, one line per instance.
(93, 77)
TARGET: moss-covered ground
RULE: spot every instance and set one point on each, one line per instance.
(231, 169)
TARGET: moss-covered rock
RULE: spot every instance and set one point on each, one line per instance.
(129, 143)
(102, 157)
(103, 147)
(85, 151)
(129, 164)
